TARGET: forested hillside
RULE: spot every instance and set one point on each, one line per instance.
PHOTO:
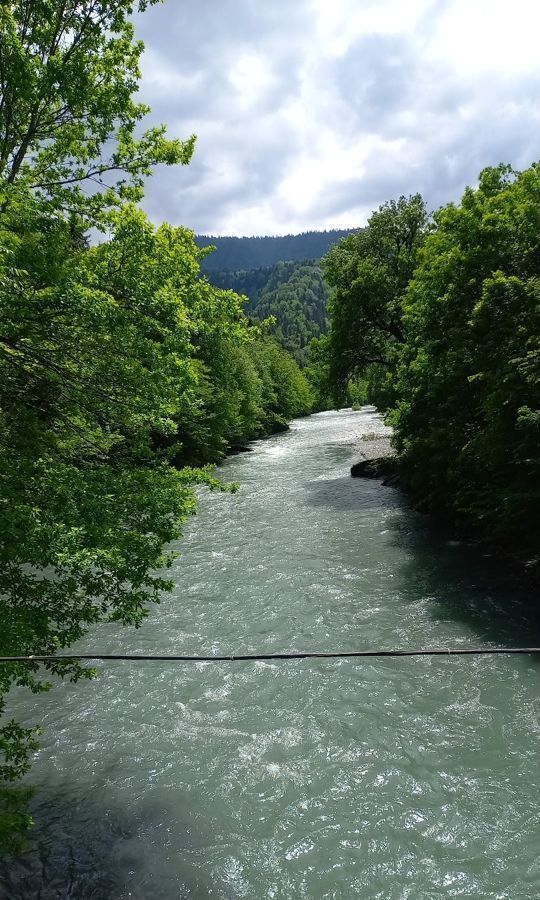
(292, 293)
(246, 282)
(443, 314)
(236, 253)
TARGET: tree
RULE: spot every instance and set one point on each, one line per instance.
(286, 392)
(317, 373)
(96, 359)
(467, 421)
(293, 293)
(92, 358)
(296, 297)
(68, 72)
(369, 272)
(115, 360)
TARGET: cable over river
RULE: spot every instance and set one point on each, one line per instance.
(388, 778)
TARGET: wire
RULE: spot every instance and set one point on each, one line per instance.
(248, 657)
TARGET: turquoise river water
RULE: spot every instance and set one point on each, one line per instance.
(376, 778)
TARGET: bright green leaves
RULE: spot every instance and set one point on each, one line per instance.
(68, 72)
(245, 389)
(115, 360)
(454, 308)
(98, 364)
(93, 366)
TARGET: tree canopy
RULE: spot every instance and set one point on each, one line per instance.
(68, 120)
(293, 295)
(368, 273)
(468, 413)
(443, 320)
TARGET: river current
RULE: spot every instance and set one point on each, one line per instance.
(377, 778)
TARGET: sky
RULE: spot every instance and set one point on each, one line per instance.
(311, 113)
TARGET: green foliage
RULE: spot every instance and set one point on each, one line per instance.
(296, 297)
(292, 294)
(358, 390)
(235, 254)
(318, 374)
(467, 423)
(112, 359)
(245, 390)
(115, 360)
(454, 309)
(379, 386)
(357, 393)
(68, 72)
(285, 391)
(246, 282)
(369, 272)
(15, 820)
(95, 352)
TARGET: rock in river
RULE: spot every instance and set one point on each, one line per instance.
(380, 467)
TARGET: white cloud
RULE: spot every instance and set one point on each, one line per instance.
(482, 36)
(340, 23)
(252, 78)
(310, 114)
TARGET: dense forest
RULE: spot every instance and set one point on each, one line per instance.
(293, 294)
(441, 315)
(123, 370)
(237, 253)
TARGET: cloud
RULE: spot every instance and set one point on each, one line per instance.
(310, 114)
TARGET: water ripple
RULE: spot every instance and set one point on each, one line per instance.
(399, 779)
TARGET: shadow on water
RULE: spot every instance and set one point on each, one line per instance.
(348, 493)
(467, 583)
(84, 849)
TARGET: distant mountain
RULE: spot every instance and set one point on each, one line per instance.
(249, 282)
(241, 253)
(282, 277)
(294, 293)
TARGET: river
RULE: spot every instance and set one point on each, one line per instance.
(377, 778)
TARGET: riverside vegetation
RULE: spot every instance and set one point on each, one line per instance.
(441, 318)
(116, 360)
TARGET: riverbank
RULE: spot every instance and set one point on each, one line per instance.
(376, 455)
(375, 443)
(377, 458)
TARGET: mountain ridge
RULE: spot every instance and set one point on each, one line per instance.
(254, 252)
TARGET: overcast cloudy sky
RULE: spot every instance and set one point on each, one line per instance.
(310, 113)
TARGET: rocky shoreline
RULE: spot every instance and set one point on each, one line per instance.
(377, 456)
